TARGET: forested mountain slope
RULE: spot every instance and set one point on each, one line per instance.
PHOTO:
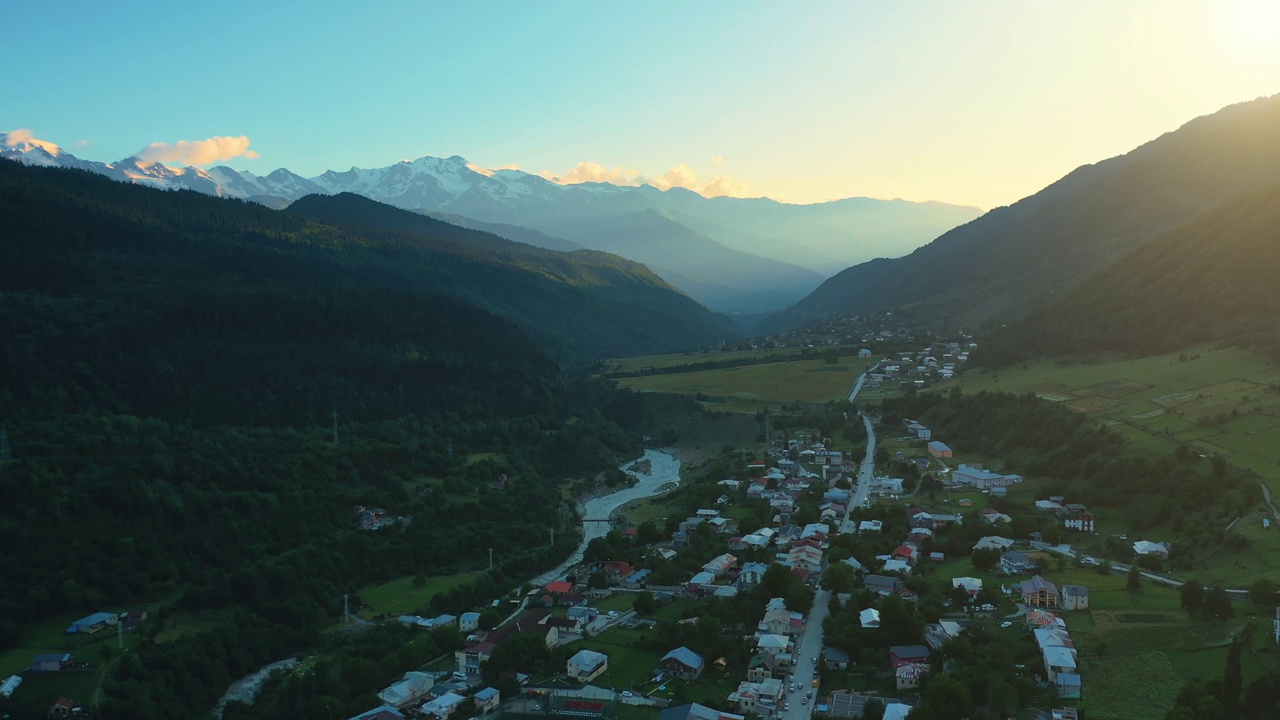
(171, 362)
(1012, 258)
(1211, 279)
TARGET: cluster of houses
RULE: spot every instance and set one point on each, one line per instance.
(377, 518)
(932, 364)
(423, 695)
(921, 527)
(1073, 516)
(762, 692)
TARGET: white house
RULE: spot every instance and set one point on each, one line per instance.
(587, 665)
(1159, 549)
(869, 618)
(443, 706)
(981, 479)
(1075, 597)
(469, 621)
(411, 689)
(763, 698)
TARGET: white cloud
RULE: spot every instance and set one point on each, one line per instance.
(681, 176)
(197, 152)
(23, 135)
(717, 160)
(488, 172)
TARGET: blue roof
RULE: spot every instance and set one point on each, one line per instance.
(54, 657)
(1068, 679)
(685, 656)
(936, 445)
(487, 693)
(638, 575)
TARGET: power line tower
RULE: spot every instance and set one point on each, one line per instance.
(346, 607)
(335, 426)
(5, 454)
(490, 558)
(450, 450)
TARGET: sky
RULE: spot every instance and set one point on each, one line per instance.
(976, 103)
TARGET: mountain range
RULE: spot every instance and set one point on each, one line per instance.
(765, 254)
(582, 304)
(1014, 258)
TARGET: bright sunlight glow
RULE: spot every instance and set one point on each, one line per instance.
(1258, 20)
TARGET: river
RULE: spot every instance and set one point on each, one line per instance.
(665, 469)
(246, 688)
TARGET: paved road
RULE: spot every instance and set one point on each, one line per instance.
(805, 669)
(862, 485)
(857, 386)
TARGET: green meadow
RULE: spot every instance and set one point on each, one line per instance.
(750, 388)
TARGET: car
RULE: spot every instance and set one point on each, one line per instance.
(815, 682)
(804, 701)
(1006, 624)
(786, 706)
(627, 693)
(815, 659)
(791, 688)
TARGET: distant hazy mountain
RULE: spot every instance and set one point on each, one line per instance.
(1014, 257)
(793, 246)
(1210, 279)
(515, 233)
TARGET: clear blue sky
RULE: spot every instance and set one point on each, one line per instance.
(978, 103)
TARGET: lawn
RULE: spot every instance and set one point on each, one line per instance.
(628, 665)
(402, 596)
(619, 601)
(1155, 402)
(750, 388)
(51, 637)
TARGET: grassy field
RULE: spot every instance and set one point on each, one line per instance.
(751, 388)
(401, 596)
(648, 362)
(628, 664)
(1160, 401)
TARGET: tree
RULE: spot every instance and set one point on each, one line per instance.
(1133, 583)
(985, 559)
(1262, 592)
(838, 578)
(1217, 604)
(1191, 596)
(646, 603)
(647, 533)
(1232, 680)
(598, 581)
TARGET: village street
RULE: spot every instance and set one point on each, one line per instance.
(805, 665)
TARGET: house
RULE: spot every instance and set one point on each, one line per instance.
(63, 707)
(773, 645)
(869, 526)
(836, 658)
(908, 676)
(443, 706)
(1159, 549)
(752, 574)
(1043, 619)
(999, 492)
(487, 700)
(869, 618)
(763, 698)
(896, 565)
(977, 477)
(9, 685)
(971, 585)
(637, 579)
(1276, 626)
(1057, 660)
(993, 542)
(829, 457)
(1075, 597)
(683, 663)
(386, 712)
(882, 585)
(1068, 685)
(469, 622)
(414, 687)
(587, 665)
(720, 565)
(896, 711)
(93, 623)
(937, 634)
(1039, 592)
(900, 655)
(1016, 563)
(939, 449)
(994, 516)
(886, 486)
(776, 621)
(559, 589)
(53, 662)
(1077, 518)
(694, 711)
(581, 613)
(864, 353)
(135, 618)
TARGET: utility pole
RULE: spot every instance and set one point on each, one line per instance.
(119, 634)
(553, 537)
(491, 558)
(450, 450)
(335, 426)
(346, 607)
(5, 455)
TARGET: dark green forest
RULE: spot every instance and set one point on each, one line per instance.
(171, 365)
(1211, 280)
